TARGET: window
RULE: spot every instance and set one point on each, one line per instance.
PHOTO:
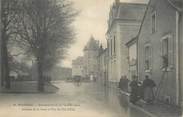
(147, 57)
(133, 54)
(153, 22)
(165, 52)
(114, 44)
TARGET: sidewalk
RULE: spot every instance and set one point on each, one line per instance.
(156, 110)
(28, 87)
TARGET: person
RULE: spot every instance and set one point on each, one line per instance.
(148, 85)
(121, 83)
(125, 84)
(134, 90)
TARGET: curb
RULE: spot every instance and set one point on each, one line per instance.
(143, 110)
(138, 107)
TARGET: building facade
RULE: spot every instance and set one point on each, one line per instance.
(103, 66)
(91, 51)
(158, 49)
(123, 25)
(77, 67)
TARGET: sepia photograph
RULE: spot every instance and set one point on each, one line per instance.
(91, 58)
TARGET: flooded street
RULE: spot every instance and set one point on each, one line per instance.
(72, 100)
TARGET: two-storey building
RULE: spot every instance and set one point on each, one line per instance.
(159, 48)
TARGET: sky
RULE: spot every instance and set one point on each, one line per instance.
(92, 20)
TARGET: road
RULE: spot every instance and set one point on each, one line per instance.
(72, 100)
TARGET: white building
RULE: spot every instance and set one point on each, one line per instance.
(103, 66)
(77, 67)
(123, 25)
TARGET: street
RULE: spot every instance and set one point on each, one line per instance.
(72, 100)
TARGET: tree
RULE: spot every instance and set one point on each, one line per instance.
(8, 16)
(46, 32)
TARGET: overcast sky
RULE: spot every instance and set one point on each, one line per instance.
(92, 20)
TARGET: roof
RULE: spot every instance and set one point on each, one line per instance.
(92, 44)
(78, 61)
(131, 11)
(127, 12)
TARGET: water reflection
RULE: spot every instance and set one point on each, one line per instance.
(123, 100)
(93, 98)
(120, 103)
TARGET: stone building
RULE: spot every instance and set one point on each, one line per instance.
(77, 67)
(158, 49)
(123, 25)
(91, 51)
(103, 66)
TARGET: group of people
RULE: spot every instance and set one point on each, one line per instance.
(140, 90)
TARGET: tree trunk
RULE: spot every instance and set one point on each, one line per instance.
(40, 76)
(7, 78)
(5, 66)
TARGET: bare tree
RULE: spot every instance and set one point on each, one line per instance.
(46, 32)
(8, 16)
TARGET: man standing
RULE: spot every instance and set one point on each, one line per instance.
(148, 85)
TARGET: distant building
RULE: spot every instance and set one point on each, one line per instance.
(123, 25)
(60, 73)
(158, 49)
(103, 66)
(90, 58)
(77, 67)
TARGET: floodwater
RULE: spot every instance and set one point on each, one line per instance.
(72, 100)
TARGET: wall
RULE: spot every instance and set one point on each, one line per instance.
(123, 31)
(102, 69)
(127, 32)
(132, 60)
(181, 57)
